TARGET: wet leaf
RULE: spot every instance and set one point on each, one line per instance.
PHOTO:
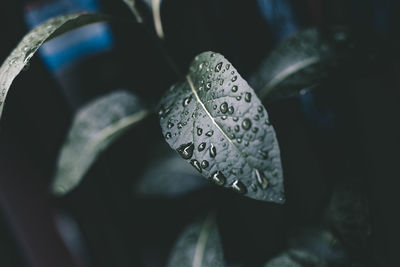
(215, 121)
(199, 245)
(300, 62)
(28, 46)
(168, 176)
(93, 129)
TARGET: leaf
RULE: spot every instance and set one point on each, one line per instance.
(313, 246)
(93, 129)
(300, 62)
(168, 176)
(28, 46)
(215, 121)
(296, 258)
(199, 245)
(349, 215)
(132, 6)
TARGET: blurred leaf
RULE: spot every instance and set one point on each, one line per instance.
(199, 245)
(348, 214)
(300, 62)
(296, 258)
(93, 129)
(311, 247)
(216, 122)
(132, 6)
(168, 175)
(28, 46)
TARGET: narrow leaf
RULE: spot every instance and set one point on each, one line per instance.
(168, 175)
(132, 6)
(93, 129)
(199, 245)
(215, 121)
(300, 62)
(28, 46)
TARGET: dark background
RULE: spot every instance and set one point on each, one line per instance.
(110, 226)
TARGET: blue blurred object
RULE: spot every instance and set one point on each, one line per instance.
(279, 17)
(321, 118)
(74, 45)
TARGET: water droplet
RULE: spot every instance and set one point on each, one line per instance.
(246, 143)
(221, 82)
(218, 67)
(186, 150)
(267, 122)
(196, 164)
(168, 135)
(210, 133)
(212, 55)
(239, 187)
(238, 98)
(232, 136)
(213, 151)
(218, 178)
(247, 97)
(255, 129)
(246, 124)
(224, 107)
(227, 66)
(199, 131)
(234, 88)
(186, 101)
(239, 140)
(263, 153)
(180, 125)
(204, 164)
(235, 118)
(224, 117)
(261, 179)
(234, 78)
(256, 117)
(170, 125)
(208, 85)
(260, 108)
(229, 129)
(215, 107)
(231, 110)
(201, 66)
(202, 146)
(237, 128)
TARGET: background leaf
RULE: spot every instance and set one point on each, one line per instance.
(216, 122)
(301, 62)
(199, 245)
(167, 175)
(94, 128)
(28, 46)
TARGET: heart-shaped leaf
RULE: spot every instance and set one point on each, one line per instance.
(300, 62)
(215, 121)
(199, 245)
(28, 46)
(168, 176)
(93, 129)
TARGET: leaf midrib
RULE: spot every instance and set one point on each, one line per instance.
(189, 79)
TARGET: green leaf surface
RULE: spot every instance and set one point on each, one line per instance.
(300, 62)
(216, 122)
(199, 245)
(28, 46)
(93, 129)
(167, 175)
